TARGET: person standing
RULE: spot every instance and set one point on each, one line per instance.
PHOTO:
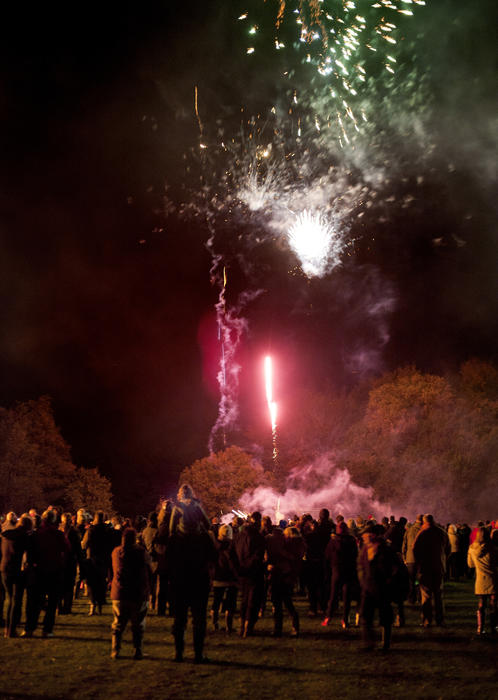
(431, 550)
(130, 590)
(224, 578)
(340, 556)
(73, 560)
(14, 545)
(376, 571)
(98, 545)
(409, 538)
(146, 538)
(250, 548)
(160, 557)
(325, 526)
(453, 559)
(483, 557)
(50, 553)
(190, 553)
(395, 533)
(285, 553)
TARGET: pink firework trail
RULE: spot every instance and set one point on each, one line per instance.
(272, 406)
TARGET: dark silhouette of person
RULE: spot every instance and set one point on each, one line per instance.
(340, 556)
(431, 550)
(50, 552)
(376, 569)
(190, 551)
(98, 545)
(15, 544)
(130, 590)
(250, 549)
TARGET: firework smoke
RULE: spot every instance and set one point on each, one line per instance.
(315, 486)
(231, 327)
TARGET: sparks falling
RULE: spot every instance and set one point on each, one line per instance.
(345, 41)
(272, 406)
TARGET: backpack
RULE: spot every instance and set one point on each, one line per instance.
(190, 520)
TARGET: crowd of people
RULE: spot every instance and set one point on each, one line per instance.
(172, 561)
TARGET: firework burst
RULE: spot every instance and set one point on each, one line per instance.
(339, 45)
(316, 243)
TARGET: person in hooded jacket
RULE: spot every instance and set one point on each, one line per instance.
(483, 557)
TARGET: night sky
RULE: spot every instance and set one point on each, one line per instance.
(107, 304)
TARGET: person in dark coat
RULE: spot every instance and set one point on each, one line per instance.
(284, 553)
(224, 578)
(160, 558)
(50, 553)
(376, 569)
(250, 549)
(340, 557)
(313, 566)
(431, 550)
(98, 545)
(187, 515)
(130, 590)
(15, 544)
(395, 534)
(325, 526)
(409, 538)
(74, 559)
(146, 539)
(190, 552)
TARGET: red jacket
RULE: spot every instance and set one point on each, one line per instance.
(131, 574)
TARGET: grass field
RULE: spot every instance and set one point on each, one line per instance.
(448, 662)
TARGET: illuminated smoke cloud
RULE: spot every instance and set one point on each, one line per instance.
(337, 492)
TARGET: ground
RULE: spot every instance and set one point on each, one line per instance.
(449, 662)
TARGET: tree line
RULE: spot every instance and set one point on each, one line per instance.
(419, 440)
(416, 439)
(36, 467)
